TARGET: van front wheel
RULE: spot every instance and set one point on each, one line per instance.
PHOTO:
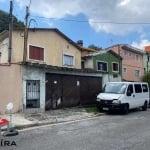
(126, 109)
(144, 107)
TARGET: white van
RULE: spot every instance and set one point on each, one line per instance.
(124, 96)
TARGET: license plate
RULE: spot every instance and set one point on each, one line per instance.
(105, 108)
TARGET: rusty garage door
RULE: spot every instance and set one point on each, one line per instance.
(70, 90)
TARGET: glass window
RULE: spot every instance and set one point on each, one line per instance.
(137, 58)
(102, 66)
(138, 88)
(125, 70)
(127, 53)
(137, 73)
(117, 88)
(145, 87)
(130, 89)
(68, 60)
(115, 66)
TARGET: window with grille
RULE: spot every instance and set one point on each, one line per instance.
(33, 93)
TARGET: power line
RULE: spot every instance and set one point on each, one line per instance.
(96, 22)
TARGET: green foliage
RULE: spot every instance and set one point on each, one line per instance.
(92, 46)
(4, 21)
(146, 78)
(92, 109)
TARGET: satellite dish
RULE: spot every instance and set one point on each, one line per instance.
(10, 106)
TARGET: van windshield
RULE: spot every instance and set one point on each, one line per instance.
(117, 88)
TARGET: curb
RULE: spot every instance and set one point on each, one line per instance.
(38, 124)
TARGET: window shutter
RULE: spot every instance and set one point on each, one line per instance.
(36, 53)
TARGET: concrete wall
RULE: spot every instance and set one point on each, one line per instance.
(109, 78)
(88, 63)
(32, 73)
(10, 87)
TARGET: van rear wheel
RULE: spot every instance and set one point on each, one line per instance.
(144, 107)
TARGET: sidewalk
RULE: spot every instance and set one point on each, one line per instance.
(21, 120)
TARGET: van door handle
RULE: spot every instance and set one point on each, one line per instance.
(133, 95)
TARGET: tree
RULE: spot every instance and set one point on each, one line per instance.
(146, 78)
(4, 21)
(92, 46)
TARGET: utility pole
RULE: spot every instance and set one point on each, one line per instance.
(10, 31)
(26, 34)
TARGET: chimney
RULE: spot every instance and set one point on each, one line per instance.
(80, 42)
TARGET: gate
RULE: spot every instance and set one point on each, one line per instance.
(33, 94)
(71, 90)
(53, 91)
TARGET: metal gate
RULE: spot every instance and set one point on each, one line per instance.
(71, 90)
(33, 94)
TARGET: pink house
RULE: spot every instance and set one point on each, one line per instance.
(132, 61)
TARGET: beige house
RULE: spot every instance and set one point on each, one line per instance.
(49, 77)
(45, 47)
(132, 61)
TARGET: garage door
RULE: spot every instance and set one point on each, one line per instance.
(71, 90)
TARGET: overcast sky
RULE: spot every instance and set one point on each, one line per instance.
(99, 22)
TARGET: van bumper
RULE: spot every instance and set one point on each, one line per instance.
(112, 106)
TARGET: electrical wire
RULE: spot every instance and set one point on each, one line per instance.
(96, 22)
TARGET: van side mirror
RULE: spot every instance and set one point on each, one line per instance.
(128, 93)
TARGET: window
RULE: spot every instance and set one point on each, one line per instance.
(137, 58)
(36, 53)
(127, 53)
(68, 60)
(145, 87)
(102, 66)
(115, 66)
(130, 89)
(138, 88)
(33, 94)
(137, 73)
(117, 88)
(125, 70)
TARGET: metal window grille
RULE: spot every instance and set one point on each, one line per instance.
(33, 93)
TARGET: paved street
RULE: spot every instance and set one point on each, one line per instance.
(109, 132)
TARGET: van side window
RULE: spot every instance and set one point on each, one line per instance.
(144, 87)
(130, 89)
(138, 88)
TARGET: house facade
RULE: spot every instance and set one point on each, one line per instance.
(132, 62)
(107, 63)
(38, 83)
(146, 59)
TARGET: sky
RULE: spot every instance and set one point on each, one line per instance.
(100, 22)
